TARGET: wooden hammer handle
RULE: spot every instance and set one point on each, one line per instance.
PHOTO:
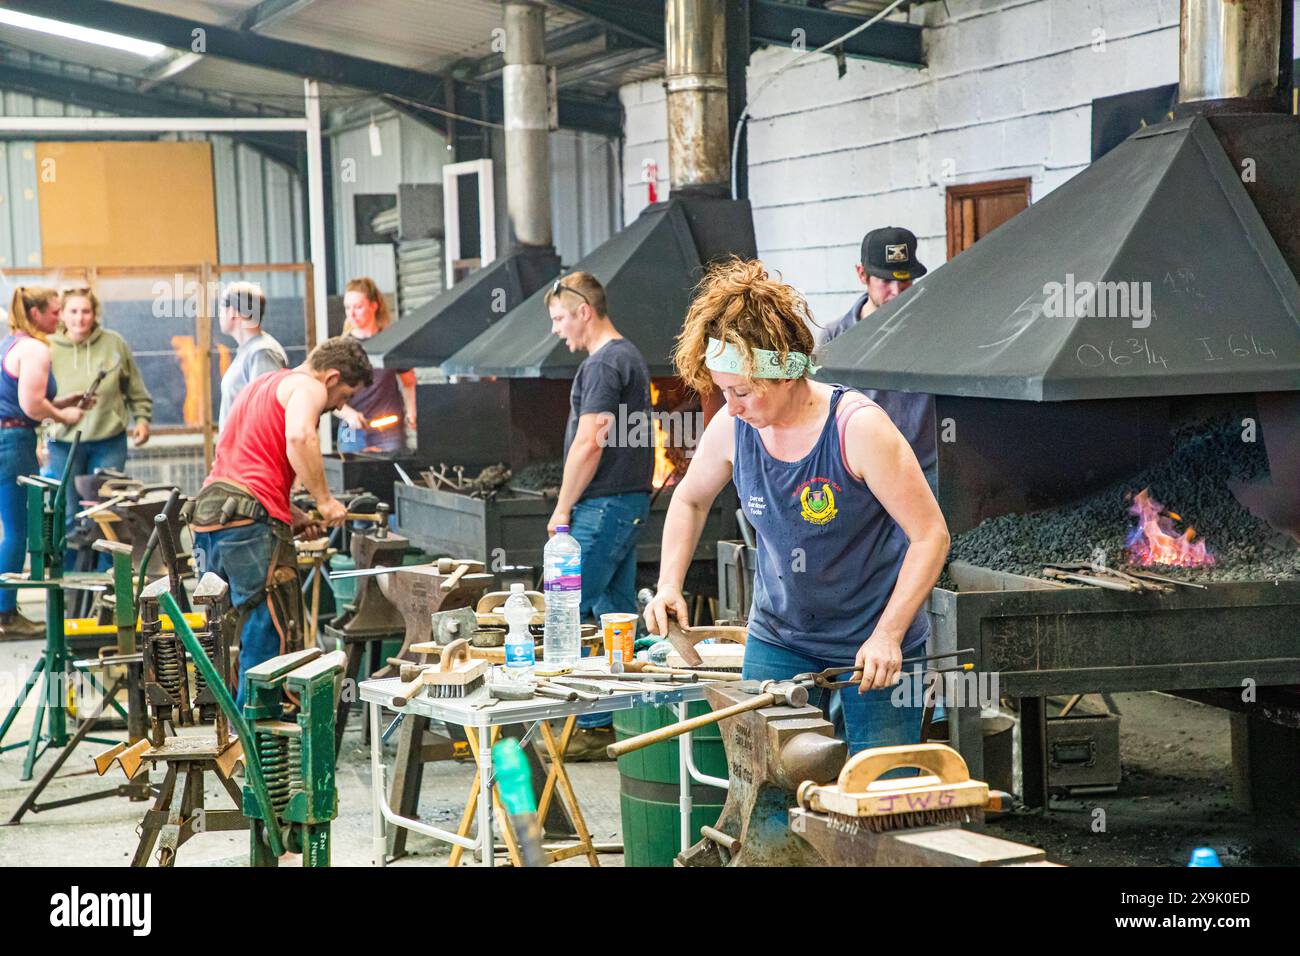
(687, 726)
(454, 580)
(404, 693)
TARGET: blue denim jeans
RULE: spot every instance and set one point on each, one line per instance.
(91, 455)
(607, 528)
(873, 719)
(17, 457)
(242, 557)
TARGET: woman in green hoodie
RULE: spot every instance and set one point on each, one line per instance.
(79, 350)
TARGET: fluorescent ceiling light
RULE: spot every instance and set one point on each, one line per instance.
(101, 37)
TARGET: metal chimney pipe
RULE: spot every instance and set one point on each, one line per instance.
(1229, 50)
(528, 156)
(695, 76)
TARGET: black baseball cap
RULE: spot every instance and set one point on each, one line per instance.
(890, 253)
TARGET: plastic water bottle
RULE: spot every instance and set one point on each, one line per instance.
(521, 654)
(563, 576)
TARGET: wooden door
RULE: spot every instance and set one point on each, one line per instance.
(976, 209)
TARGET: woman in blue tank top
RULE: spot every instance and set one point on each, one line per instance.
(26, 399)
(850, 538)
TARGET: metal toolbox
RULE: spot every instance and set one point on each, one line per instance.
(1083, 752)
(513, 530)
(736, 563)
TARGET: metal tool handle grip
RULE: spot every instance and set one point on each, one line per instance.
(687, 726)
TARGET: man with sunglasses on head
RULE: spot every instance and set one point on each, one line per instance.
(605, 496)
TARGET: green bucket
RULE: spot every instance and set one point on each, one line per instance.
(649, 785)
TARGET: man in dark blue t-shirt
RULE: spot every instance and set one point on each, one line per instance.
(608, 464)
(608, 446)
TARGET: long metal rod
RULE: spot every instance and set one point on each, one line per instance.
(316, 231)
(151, 124)
(684, 803)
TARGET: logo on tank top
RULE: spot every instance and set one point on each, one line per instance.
(817, 504)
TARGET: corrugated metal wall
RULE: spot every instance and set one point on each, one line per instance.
(259, 202)
(586, 205)
(356, 171)
(585, 200)
(20, 224)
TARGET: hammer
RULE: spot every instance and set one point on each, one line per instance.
(457, 568)
(766, 694)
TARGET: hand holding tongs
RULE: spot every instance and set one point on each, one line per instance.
(823, 678)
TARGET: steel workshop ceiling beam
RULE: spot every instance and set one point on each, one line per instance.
(115, 98)
(596, 114)
(771, 23)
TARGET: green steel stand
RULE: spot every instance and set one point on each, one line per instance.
(124, 620)
(290, 795)
(46, 538)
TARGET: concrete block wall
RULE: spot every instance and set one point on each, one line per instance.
(1007, 93)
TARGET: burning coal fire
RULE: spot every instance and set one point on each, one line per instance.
(1156, 539)
(664, 466)
(191, 360)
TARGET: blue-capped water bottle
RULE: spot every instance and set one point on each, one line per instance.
(521, 653)
(1204, 856)
(563, 576)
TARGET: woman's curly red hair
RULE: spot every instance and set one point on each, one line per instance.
(738, 302)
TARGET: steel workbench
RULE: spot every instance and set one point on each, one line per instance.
(475, 712)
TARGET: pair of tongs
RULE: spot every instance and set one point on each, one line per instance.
(824, 678)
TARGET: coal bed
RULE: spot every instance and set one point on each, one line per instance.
(1194, 484)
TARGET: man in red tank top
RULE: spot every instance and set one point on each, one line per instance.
(243, 520)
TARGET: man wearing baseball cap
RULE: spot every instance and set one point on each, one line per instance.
(889, 267)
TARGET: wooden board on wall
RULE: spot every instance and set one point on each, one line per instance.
(126, 204)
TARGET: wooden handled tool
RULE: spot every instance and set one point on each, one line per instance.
(451, 582)
(768, 694)
(684, 639)
(940, 795)
(350, 516)
(457, 568)
(455, 675)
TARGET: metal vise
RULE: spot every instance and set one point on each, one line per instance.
(770, 752)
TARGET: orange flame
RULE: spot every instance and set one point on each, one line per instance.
(664, 467)
(1155, 540)
(191, 359)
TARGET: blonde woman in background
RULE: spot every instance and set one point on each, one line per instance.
(393, 390)
(79, 351)
(27, 399)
